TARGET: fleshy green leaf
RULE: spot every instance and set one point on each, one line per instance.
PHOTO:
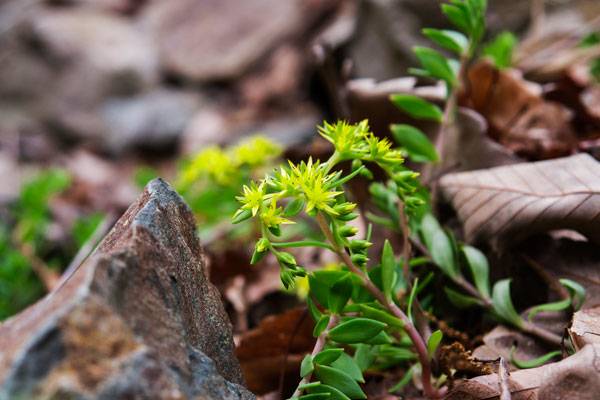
(340, 294)
(434, 341)
(415, 142)
(356, 330)
(320, 283)
(397, 353)
(457, 17)
(339, 380)
(306, 367)
(348, 365)
(461, 300)
(554, 306)
(436, 64)
(442, 253)
(380, 338)
(294, 207)
(388, 270)
(500, 50)
(334, 393)
(577, 292)
(411, 298)
(536, 362)
(312, 308)
(321, 325)
(478, 264)
(328, 356)
(503, 305)
(417, 107)
(380, 315)
(450, 40)
(364, 356)
(315, 396)
(241, 215)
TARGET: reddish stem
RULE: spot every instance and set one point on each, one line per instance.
(420, 346)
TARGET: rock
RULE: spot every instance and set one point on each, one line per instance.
(155, 119)
(197, 41)
(138, 319)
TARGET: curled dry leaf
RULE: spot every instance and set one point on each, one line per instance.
(506, 204)
(277, 345)
(585, 328)
(468, 147)
(519, 117)
(576, 377)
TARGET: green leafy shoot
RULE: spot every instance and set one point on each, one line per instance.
(500, 50)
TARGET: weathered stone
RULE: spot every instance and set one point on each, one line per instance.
(220, 39)
(138, 319)
(154, 119)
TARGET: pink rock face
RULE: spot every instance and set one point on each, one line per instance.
(138, 318)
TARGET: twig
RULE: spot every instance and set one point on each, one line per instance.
(420, 346)
(503, 377)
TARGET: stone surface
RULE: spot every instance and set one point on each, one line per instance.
(220, 39)
(137, 320)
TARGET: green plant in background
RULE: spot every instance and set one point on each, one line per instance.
(27, 270)
(589, 41)
(211, 179)
(500, 50)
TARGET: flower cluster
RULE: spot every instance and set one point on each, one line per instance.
(223, 165)
(317, 189)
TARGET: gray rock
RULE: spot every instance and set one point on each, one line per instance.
(152, 119)
(220, 39)
(138, 319)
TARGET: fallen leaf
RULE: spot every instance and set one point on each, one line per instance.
(519, 117)
(585, 328)
(276, 346)
(576, 377)
(468, 146)
(506, 204)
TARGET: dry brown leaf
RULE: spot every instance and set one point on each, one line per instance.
(277, 345)
(506, 204)
(468, 147)
(576, 377)
(519, 117)
(585, 328)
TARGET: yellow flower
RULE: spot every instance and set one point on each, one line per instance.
(344, 136)
(256, 151)
(212, 162)
(253, 197)
(272, 216)
(313, 181)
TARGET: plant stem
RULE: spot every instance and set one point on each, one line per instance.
(319, 345)
(410, 329)
(541, 333)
